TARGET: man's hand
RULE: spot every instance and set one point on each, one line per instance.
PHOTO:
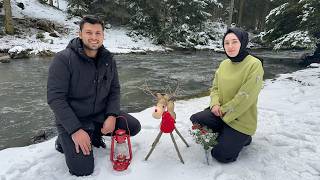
(81, 139)
(109, 125)
(216, 110)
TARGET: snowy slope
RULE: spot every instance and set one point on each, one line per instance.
(116, 39)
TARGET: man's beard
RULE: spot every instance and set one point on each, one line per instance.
(95, 48)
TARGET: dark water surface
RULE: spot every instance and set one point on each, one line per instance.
(24, 111)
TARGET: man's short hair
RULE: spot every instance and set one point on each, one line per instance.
(92, 20)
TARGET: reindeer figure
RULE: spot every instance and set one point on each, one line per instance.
(165, 110)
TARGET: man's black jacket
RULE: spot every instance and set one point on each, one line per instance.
(80, 90)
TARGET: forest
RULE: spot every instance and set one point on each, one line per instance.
(276, 24)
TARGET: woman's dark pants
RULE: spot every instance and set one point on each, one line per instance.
(230, 141)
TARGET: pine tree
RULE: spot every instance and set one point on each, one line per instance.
(292, 19)
(170, 21)
(277, 21)
(78, 7)
(310, 18)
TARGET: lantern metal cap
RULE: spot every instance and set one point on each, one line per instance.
(120, 132)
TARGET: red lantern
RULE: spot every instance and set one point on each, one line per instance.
(121, 153)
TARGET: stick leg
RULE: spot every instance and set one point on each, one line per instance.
(181, 137)
(155, 142)
(175, 145)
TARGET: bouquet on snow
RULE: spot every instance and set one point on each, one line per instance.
(204, 136)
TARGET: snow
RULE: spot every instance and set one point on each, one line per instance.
(276, 11)
(116, 39)
(293, 39)
(285, 146)
(307, 10)
(16, 49)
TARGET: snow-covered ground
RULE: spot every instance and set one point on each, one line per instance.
(285, 146)
(116, 39)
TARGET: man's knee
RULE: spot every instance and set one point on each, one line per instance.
(79, 164)
(132, 122)
(135, 128)
(80, 169)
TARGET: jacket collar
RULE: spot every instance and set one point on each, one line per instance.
(76, 45)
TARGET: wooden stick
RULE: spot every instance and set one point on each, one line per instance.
(181, 137)
(154, 145)
(175, 145)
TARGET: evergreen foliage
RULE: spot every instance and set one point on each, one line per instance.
(311, 20)
(172, 22)
(293, 24)
(78, 7)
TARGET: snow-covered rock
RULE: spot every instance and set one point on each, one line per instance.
(18, 52)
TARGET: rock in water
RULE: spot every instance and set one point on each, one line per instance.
(40, 136)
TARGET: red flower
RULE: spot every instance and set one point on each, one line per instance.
(196, 126)
(203, 131)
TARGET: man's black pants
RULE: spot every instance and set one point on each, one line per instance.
(230, 141)
(82, 165)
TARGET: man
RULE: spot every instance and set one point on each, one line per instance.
(84, 93)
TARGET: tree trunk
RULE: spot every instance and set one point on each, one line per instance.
(241, 6)
(265, 13)
(231, 13)
(8, 17)
(51, 2)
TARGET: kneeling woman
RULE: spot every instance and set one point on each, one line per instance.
(234, 95)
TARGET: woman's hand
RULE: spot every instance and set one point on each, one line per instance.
(216, 110)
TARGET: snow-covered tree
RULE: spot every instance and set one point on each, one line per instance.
(171, 21)
(310, 17)
(78, 7)
(293, 24)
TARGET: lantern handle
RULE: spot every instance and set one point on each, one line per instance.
(118, 117)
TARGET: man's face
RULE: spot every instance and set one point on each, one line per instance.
(92, 36)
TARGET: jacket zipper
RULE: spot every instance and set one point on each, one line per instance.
(96, 82)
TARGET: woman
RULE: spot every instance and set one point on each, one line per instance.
(234, 95)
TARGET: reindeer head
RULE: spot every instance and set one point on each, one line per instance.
(162, 103)
(165, 101)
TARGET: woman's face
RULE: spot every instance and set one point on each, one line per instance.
(231, 45)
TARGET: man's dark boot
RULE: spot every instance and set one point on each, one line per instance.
(98, 141)
(96, 137)
(58, 146)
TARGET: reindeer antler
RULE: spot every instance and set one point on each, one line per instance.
(146, 89)
(173, 94)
